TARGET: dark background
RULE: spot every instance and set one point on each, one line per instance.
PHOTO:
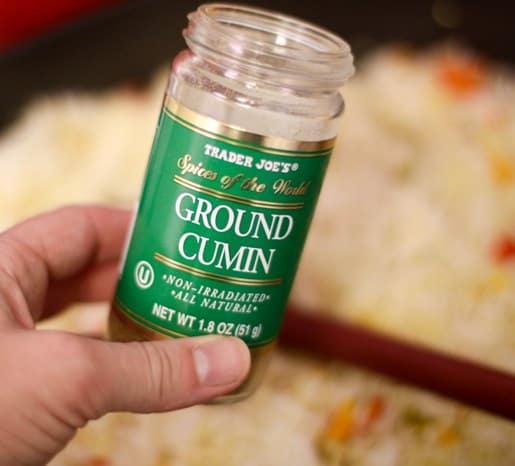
(129, 41)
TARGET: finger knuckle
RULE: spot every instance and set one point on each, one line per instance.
(80, 360)
(75, 378)
(161, 369)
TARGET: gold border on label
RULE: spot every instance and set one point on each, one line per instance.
(238, 199)
(135, 317)
(237, 136)
(214, 276)
(142, 321)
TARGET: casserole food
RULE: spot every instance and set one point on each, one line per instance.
(422, 247)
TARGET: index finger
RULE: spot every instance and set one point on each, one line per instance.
(58, 246)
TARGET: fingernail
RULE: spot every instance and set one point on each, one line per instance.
(221, 361)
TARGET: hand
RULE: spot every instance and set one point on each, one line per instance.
(55, 382)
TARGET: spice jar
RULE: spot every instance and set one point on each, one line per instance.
(247, 126)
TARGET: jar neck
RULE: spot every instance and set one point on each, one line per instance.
(192, 75)
(258, 49)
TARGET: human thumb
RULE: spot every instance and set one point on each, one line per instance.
(165, 375)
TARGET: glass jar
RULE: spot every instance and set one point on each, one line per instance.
(249, 119)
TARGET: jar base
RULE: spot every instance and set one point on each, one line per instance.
(122, 329)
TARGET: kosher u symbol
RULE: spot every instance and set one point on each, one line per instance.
(144, 275)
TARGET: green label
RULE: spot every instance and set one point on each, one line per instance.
(218, 234)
